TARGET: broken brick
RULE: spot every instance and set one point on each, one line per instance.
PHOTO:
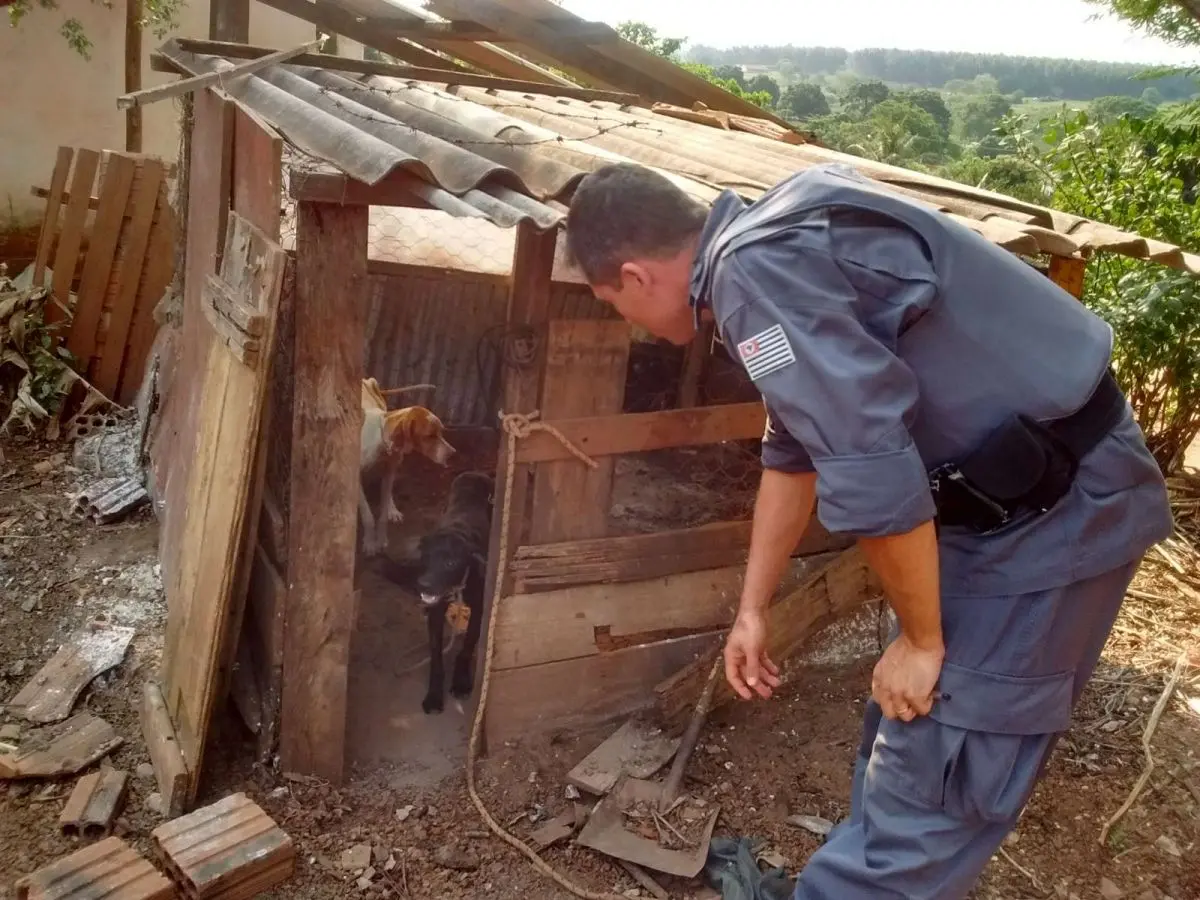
(109, 869)
(94, 804)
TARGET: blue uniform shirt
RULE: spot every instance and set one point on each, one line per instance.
(887, 339)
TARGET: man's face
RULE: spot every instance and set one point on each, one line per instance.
(654, 295)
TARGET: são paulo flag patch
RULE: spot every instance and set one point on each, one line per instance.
(766, 352)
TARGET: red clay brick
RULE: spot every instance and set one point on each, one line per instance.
(229, 850)
(108, 870)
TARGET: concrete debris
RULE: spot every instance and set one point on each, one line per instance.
(814, 824)
(1167, 845)
(110, 500)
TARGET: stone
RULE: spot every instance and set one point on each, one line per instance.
(403, 813)
(1167, 845)
(813, 824)
(356, 858)
(145, 772)
(1110, 891)
(10, 732)
(450, 857)
(154, 803)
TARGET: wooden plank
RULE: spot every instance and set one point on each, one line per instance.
(331, 260)
(257, 171)
(97, 268)
(212, 79)
(836, 590)
(462, 77)
(535, 699)
(230, 413)
(129, 276)
(1068, 273)
(157, 273)
(170, 768)
(586, 364)
(690, 379)
(70, 238)
(134, 13)
(636, 750)
(593, 619)
(62, 749)
(544, 567)
(54, 200)
(94, 803)
(640, 432)
(51, 693)
(266, 604)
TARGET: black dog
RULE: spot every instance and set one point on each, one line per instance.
(453, 558)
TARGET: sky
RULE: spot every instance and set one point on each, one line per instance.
(1057, 28)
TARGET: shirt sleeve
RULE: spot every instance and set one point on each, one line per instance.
(843, 399)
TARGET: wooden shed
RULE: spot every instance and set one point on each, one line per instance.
(307, 183)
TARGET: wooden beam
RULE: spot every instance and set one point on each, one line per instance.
(415, 73)
(586, 364)
(229, 20)
(198, 82)
(588, 620)
(640, 432)
(133, 73)
(690, 379)
(836, 590)
(1068, 273)
(334, 20)
(591, 32)
(611, 560)
(584, 693)
(330, 318)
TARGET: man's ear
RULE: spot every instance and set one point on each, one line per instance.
(634, 275)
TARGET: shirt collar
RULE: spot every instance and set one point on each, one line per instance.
(727, 207)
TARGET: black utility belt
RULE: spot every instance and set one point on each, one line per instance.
(1024, 466)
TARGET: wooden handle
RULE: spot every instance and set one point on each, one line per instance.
(687, 743)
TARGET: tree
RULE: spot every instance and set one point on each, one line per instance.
(978, 116)
(902, 131)
(1109, 109)
(1138, 176)
(1152, 96)
(767, 85)
(646, 37)
(1006, 175)
(731, 73)
(157, 15)
(930, 101)
(803, 100)
(758, 98)
(786, 68)
(862, 96)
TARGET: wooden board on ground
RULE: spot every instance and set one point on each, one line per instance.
(588, 620)
(637, 749)
(330, 324)
(586, 364)
(546, 567)
(229, 849)
(604, 688)
(95, 802)
(93, 871)
(230, 412)
(51, 693)
(59, 750)
(170, 769)
(835, 591)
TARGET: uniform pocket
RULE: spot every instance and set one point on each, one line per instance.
(978, 754)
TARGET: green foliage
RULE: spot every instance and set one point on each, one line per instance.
(1109, 109)
(1006, 175)
(1152, 96)
(860, 97)
(766, 84)
(646, 37)
(961, 72)
(1166, 19)
(157, 15)
(930, 101)
(758, 98)
(802, 101)
(731, 73)
(1140, 176)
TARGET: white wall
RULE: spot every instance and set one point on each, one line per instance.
(52, 96)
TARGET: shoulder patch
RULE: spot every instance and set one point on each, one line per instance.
(766, 352)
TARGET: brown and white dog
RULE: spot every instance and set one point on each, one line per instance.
(387, 437)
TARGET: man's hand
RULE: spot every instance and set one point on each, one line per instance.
(748, 669)
(905, 678)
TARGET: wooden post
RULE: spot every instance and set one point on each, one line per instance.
(229, 20)
(331, 260)
(528, 313)
(1067, 272)
(697, 355)
(133, 73)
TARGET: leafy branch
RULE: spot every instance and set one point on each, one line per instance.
(160, 16)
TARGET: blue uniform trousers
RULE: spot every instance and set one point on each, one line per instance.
(933, 799)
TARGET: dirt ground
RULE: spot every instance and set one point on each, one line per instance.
(760, 762)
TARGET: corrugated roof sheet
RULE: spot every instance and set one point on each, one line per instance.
(509, 157)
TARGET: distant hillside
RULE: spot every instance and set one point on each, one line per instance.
(1032, 76)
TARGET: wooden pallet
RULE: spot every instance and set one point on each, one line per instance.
(112, 255)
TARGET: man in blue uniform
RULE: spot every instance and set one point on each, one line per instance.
(953, 409)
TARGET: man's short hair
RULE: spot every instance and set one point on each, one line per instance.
(623, 212)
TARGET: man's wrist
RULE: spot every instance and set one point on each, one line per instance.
(926, 643)
(753, 606)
